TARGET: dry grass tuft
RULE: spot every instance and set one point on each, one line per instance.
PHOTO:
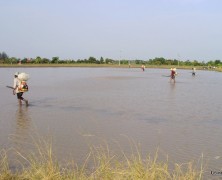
(106, 166)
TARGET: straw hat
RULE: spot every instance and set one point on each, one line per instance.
(16, 73)
(23, 77)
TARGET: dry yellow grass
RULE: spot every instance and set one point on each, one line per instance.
(105, 166)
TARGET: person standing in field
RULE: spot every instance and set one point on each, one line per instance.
(19, 87)
(173, 75)
(143, 67)
(194, 71)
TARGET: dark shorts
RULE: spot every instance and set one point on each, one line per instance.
(19, 95)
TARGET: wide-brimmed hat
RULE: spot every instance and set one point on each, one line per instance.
(23, 76)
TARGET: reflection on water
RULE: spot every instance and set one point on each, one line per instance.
(23, 121)
(22, 133)
(172, 86)
(80, 107)
(19, 133)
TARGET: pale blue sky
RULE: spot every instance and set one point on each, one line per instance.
(126, 29)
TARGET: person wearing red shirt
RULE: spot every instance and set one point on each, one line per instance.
(173, 75)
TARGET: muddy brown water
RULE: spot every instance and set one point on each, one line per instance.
(83, 107)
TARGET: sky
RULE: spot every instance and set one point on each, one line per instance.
(116, 29)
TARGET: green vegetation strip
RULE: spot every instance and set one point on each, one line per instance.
(96, 66)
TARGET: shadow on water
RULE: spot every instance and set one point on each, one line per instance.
(54, 103)
(43, 102)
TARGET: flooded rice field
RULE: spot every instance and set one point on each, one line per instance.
(83, 107)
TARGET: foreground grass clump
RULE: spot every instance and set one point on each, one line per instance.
(43, 165)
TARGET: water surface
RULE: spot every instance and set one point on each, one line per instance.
(81, 107)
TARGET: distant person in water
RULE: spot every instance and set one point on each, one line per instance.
(193, 71)
(20, 87)
(173, 75)
(143, 67)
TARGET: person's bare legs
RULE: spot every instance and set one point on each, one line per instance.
(172, 79)
(26, 102)
(20, 101)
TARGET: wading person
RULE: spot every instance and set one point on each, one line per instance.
(194, 71)
(143, 67)
(173, 75)
(20, 86)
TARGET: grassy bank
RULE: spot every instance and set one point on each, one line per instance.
(219, 69)
(104, 165)
(96, 66)
(61, 65)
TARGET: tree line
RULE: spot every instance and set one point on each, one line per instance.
(5, 59)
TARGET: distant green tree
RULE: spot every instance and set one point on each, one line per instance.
(101, 60)
(150, 62)
(175, 62)
(203, 63)
(79, 61)
(92, 60)
(124, 62)
(13, 60)
(210, 63)
(4, 57)
(55, 60)
(139, 61)
(188, 63)
(109, 61)
(217, 62)
(59, 62)
(45, 61)
(168, 62)
(67, 61)
(159, 61)
(195, 63)
(24, 60)
(38, 60)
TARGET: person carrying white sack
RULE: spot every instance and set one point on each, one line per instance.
(20, 86)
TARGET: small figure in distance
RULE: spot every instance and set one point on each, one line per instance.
(18, 90)
(173, 74)
(193, 71)
(143, 67)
